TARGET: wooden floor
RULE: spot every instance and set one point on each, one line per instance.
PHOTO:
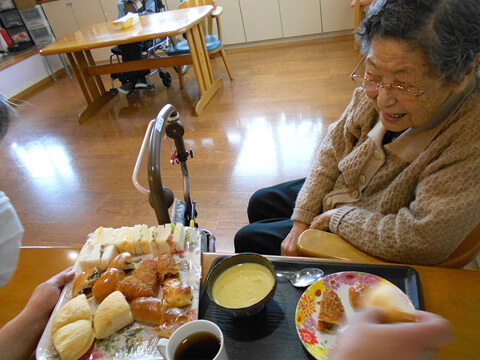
(67, 179)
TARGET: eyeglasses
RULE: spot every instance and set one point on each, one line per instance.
(398, 90)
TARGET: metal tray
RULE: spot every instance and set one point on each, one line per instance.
(271, 334)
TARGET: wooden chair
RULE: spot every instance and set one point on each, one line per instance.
(214, 42)
(358, 13)
(316, 243)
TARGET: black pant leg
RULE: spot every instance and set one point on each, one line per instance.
(132, 52)
(274, 202)
(263, 237)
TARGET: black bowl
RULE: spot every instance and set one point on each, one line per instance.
(235, 260)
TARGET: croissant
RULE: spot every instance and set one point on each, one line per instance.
(166, 267)
(147, 273)
(132, 288)
(177, 293)
(172, 320)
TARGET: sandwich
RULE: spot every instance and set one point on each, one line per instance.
(141, 239)
(159, 239)
(123, 238)
(178, 238)
(112, 314)
(96, 255)
(85, 281)
(331, 311)
(395, 304)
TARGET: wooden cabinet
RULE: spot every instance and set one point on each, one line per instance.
(232, 24)
(110, 9)
(261, 19)
(336, 15)
(300, 17)
(67, 16)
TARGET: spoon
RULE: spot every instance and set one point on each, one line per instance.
(302, 278)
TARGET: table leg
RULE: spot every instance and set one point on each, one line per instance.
(92, 87)
(207, 85)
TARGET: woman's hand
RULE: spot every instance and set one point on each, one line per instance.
(20, 336)
(322, 221)
(45, 296)
(289, 245)
(365, 338)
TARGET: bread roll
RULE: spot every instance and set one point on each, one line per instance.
(84, 282)
(75, 309)
(106, 284)
(148, 309)
(123, 262)
(112, 314)
(396, 305)
(74, 339)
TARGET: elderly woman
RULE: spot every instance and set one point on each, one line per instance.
(398, 175)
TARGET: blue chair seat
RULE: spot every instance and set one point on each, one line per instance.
(181, 48)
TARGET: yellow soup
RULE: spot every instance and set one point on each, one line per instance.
(242, 285)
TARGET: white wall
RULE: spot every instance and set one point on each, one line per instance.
(26, 73)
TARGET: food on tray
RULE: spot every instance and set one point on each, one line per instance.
(74, 340)
(107, 283)
(177, 293)
(173, 319)
(96, 255)
(132, 287)
(112, 314)
(242, 285)
(141, 240)
(74, 310)
(72, 332)
(147, 273)
(356, 294)
(85, 281)
(331, 311)
(166, 267)
(123, 262)
(148, 309)
(396, 306)
(159, 239)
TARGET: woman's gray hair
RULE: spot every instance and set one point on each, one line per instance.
(448, 31)
(5, 111)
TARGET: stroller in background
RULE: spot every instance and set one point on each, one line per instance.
(152, 49)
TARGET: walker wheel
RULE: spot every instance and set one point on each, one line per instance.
(166, 78)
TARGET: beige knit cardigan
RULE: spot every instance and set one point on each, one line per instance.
(411, 201)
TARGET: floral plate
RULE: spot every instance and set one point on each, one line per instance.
(318, 343)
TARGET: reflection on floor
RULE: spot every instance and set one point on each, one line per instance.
(66, 179)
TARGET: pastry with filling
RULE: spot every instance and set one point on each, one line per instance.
(356, 295)
(172, 320)
(331, 311)
(150, 310)
(147, 273)
(85, 281)
(132, 287)
(167, 267)
(177, 293)
(123, 262)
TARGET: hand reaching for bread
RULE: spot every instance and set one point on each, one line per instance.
(366, 338)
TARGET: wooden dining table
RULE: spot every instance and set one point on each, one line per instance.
(451, 293)
(187, 21)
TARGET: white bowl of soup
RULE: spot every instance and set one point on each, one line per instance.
(242, 285)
